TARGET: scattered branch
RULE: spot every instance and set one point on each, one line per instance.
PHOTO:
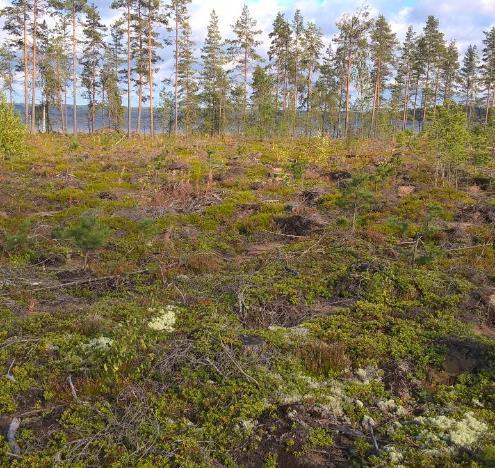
(9, 375)
(73, 389)
(90, 280)
(236, 364)
(13, 427)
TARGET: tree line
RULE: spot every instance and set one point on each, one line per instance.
(364, 82)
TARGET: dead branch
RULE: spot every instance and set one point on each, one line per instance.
(489, 244)
(90, 280)
(9, 375)
(236, 364)
(13, 427)
(73, 389)
(15, 340)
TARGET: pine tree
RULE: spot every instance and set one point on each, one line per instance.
(312, 45)
(263, 109)
(214, 78)
(488, 69)
(110, 75)
(352, 40)
(243, 49)
(139, 55)
(93, 32)
(469, 79)
(75, 9)
(16, 25)
(153, 17)
(431, 50)
(383, 42)
(449, 71)
(328, 91)
(53, 68)
(188, 87)
(178, 10)
(405, 68)
(279, 55)
(127, 5)
(296, 50)
(63, 63)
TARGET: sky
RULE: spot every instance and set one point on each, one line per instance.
(461, 20)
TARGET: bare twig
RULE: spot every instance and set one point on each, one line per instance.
(73, 389)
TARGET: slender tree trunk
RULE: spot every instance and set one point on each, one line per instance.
(150, 69)
(488, 98)
(176, 77)
(308, 103)
(468, 103)
(244, 103)
(375, 99)
(33, 71)
(26, 64)
(406, 101)
(128, 68)
(347, 94)
(140, 68)
(187, 109)
(66, 114)
(140, 103)
(435, 93)
(339, 116)
(425, 96)
(93, 107)
(74, 70)
(294, 104)
(43, 116)
(415, 104)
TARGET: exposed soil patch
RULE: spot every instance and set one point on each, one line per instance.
(290, 427)
(297, 225)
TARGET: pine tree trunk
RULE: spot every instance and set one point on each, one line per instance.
(406, 101)
(93, 107)
(425, 96)
(66, 114)
(308, 104)
(339, 116)
(26, 64)
(33, 71)
(150, 69)
(488, 98)
(244, 103)
(176, 84)
(140, 103)
(435, 93)
(347, 94)
(375, 99)
(296, 71)
(128, 68)
(415, 104)
(74, 70)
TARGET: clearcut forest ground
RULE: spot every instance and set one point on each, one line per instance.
(287, 303)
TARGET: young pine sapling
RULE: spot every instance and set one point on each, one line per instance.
(87, 234)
